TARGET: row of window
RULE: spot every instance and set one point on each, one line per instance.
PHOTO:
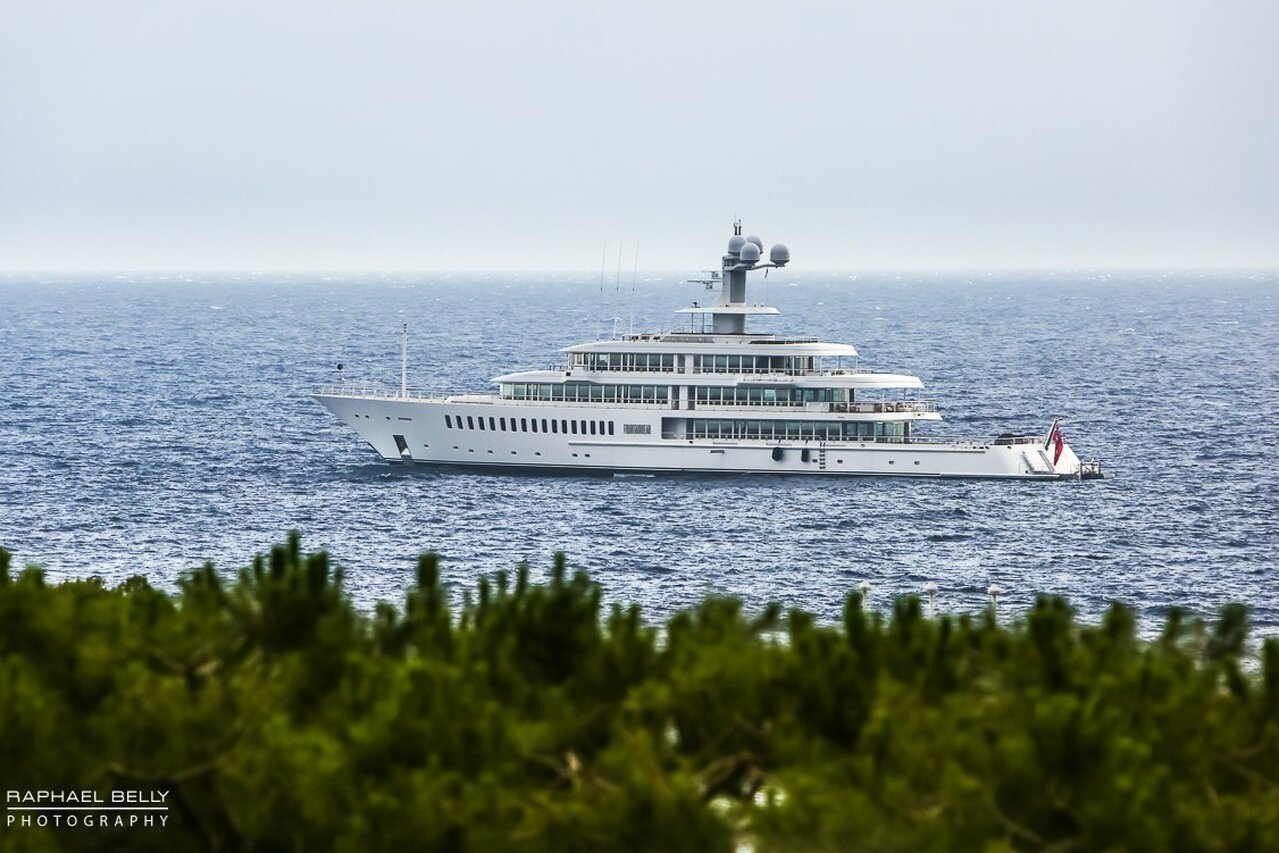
(730, 396)
(667, 362)
(585, 392)
(799, 430)
(638, 361)
(551, 425)
(753, 363)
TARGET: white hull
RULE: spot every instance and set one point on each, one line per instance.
(414, 430)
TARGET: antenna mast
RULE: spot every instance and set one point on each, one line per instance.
(634, 275)
(404, 361)
(600, 306)
(728, 315)
(617, 284)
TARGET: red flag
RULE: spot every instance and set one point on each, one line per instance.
(1058, 440)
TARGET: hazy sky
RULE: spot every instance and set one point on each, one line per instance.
(185, 134)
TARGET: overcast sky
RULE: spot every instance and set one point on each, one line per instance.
(185, 134)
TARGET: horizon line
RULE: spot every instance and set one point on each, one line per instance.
(595, 273)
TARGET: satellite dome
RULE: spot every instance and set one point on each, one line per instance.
(750, 253)
(735, 244)
(759, 244)
(779, 254)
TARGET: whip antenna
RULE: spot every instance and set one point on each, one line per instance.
(600, 308)
(404, 361)
(634, 275)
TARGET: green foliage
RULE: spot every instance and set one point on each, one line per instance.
(531, 717)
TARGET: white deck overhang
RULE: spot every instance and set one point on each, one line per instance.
(730, 309)
(719, 345)
(808, 380)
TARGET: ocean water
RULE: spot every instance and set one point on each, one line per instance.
(151, 422)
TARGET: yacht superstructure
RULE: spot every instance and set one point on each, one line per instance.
(713, 397)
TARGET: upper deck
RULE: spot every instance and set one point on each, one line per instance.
(686, 343)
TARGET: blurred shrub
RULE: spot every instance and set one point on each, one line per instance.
(281, 718)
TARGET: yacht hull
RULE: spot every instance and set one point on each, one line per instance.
(496, 433)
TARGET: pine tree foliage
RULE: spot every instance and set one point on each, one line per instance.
(533, 717)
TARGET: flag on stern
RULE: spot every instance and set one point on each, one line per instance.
(1055, 440)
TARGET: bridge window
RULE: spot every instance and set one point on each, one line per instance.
(799, 430)
(626, 361)
(788, 364)
(584, 392)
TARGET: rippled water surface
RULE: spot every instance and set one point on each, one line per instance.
(149, 423)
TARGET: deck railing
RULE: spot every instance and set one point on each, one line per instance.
(856, 408)
(377, 392)
(792, 441)
(880, 406)
(600, 368)
(636, 404)
(382, 392)
(563, 367)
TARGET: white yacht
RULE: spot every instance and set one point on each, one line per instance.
(712, 397)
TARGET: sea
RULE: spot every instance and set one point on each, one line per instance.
(152, 422)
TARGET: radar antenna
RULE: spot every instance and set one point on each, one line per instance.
(404, 361)
(743, 255)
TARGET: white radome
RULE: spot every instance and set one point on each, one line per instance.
(709, 398)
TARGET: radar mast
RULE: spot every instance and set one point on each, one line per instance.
(744, 254)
